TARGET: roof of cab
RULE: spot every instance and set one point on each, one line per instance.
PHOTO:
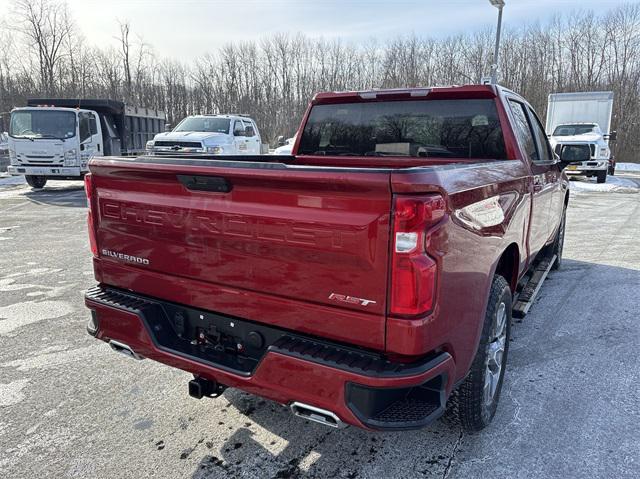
(216, 115)
(460, 91)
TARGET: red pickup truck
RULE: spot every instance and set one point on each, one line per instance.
(367, 279)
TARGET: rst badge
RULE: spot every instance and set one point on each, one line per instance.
(341, 298)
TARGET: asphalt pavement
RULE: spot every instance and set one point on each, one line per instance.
(70, 407)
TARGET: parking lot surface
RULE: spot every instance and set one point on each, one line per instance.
(70, 407)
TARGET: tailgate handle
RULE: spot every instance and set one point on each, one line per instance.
(215, 184)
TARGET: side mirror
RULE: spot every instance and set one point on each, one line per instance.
(281, 141)
(167, 127)
(613, 136)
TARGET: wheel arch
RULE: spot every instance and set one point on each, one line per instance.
(508, 265)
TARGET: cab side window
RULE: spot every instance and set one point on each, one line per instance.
(238, 128)
(523, 130)
(85, 126)
(248, 124)
(544, 149)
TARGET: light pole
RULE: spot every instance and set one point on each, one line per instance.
(499, 4)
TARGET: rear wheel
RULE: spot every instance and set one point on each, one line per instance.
(474, 403)
(602, 176)
(36, 181)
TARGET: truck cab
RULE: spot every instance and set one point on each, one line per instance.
(52, 142)
(210, 135)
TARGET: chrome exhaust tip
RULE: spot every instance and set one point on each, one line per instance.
(122, 348)
(317, 414)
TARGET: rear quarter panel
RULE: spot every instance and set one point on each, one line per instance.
(467, 253)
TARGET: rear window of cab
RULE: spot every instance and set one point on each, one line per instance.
(416, 128)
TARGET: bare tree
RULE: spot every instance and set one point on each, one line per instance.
(125, 48)
(47, 26)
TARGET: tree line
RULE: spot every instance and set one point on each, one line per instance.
(44, 54)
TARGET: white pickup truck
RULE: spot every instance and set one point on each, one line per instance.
(209, 135)
(579, 125)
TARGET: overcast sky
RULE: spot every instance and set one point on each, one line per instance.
(189, 28)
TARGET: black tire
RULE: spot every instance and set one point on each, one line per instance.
(468, 405)
(36, 182)
(602, 176)
(558, 244)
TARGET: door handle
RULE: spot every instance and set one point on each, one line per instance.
(537, 184)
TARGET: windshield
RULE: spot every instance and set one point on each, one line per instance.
(417, 128)
(570, 130)
(213, 125)
(36, 124)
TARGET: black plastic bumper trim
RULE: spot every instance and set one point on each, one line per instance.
(398, 408)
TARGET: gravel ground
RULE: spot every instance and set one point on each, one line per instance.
(70, 407)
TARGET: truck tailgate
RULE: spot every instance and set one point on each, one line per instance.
(299, 248)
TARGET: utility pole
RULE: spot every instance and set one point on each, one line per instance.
(499, 4)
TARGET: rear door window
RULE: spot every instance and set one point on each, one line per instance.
(416, 128)
(544, 149)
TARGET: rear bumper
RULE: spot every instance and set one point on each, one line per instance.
(360, 387)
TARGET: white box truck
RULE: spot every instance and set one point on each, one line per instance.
(579, 125)
(55, 138)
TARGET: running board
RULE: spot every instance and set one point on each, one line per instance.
(527, 296)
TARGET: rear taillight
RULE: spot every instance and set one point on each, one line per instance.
(88, 188)
(414, 272)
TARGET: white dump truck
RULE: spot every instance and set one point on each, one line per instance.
(579, 125)
(55, 138)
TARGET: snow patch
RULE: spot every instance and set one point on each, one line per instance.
(52, 360)
(628, 167)
(12, 180)
(21, 314)
(613, 184)
(11, 393)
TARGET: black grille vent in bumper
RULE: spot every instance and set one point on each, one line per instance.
(181, 144)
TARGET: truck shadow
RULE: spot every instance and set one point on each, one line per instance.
(66, 196)
(273, 443)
